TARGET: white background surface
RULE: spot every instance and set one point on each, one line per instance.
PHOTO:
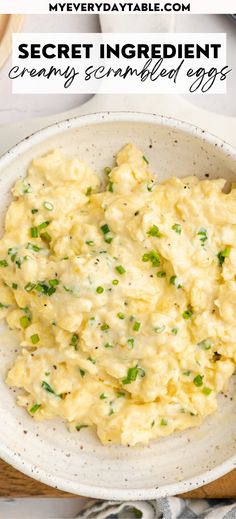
(15, 107)
(19, 115)
(42, 508)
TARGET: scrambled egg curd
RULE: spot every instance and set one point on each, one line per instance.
(123, 293)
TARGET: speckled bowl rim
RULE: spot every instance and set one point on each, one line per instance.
(43, 475)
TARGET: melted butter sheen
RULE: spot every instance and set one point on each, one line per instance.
(123, 293)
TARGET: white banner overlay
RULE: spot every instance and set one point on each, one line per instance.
(126, 7)
(119, 63)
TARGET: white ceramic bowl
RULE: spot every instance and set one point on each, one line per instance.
(78, 463)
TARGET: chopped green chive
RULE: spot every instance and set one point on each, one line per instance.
(206, 391)
(120, 269)
(161, 274)
(51, 291)
(32, 247)
(188, 313)
(108, 239)
(223, 254)
(187, 373)
(25, 321)
(130, 341)
(107, 170)
(43, 225)
(26, 188)
(26, 310)
(152, 256)
(88, 191)
(45, 236)
(74, 341)
(35, 338)
(29, 287)
(174, 331)
(110, 187)
(12, 253)
(105, 228)
(48, 205)
(19, 263)
(3, 306)
(198, 380)
(174, 281)
(89, 242)
(70, 290)
(34, 211)
(203, 236)
(136, 326)
(163, 422)
(34, 232)
(177, 228)
(120, 315)
(154, 231)
(159, 329)
(131, 375)
(53, 282)
(108, 345)
(3, 263)
(115, 282)
(35, 408)
(205, 345)
(82, 372)
(81, 426)
(40, 287)
(105, 327)
(145, 159)
(47, 387)
(102, 396)
(14, 286)
(99, 290)
(92, 360)
(120, 394)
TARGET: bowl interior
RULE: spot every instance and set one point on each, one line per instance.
(78, 462)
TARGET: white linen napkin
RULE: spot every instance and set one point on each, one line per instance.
(164, 508)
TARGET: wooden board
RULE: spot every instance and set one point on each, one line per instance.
(15, 484)
(8, 25)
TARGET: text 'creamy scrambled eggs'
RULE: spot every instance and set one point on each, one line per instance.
(124, 296)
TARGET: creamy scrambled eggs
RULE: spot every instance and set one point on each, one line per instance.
(123, 294)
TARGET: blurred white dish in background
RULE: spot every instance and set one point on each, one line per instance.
(15, 107)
